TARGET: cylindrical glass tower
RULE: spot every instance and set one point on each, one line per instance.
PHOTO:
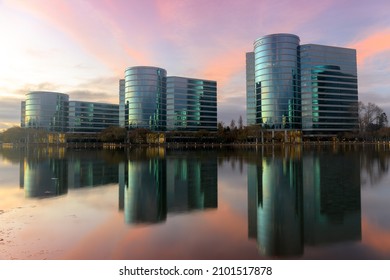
(145, 98)
(277, 81)
(47, 110)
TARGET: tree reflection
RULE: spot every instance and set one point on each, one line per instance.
(374, 164)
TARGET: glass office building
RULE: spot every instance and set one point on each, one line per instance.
(22, 114)
(46, 110)
(277, 81)
(145, 97)
(92, 117)
(329, 90)
(122, 111)
(308, 87)
(250, 89)
(191, 104)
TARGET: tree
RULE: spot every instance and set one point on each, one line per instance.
(220, 127)
(371, 117)
(382, 120)
(113, 134)
(232, 124)
(240, 123)
(138, 135)
(13, 135)
(221, 132)
(18, 134)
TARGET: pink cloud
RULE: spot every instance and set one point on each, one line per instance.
(91, 26)
(142, 242)
(375, 237)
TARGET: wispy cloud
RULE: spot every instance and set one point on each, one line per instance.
(91, 96)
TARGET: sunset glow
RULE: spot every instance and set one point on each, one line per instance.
(83, 47)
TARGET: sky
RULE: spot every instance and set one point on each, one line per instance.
(82, 47)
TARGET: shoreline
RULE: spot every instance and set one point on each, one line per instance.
(188, 145)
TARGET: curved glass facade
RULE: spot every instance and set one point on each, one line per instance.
(47, 110)
(277, 81)
(145, 98)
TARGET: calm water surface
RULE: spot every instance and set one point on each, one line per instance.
(266, 203)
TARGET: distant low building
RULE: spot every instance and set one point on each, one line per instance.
(53, 112)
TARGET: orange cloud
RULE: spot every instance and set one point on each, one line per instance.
(224, 66)
(372, 45)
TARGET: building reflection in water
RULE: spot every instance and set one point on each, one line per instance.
(157, 183)
(89, 168)
(145, 191)
(275, 204)
(332, 205)
(296, 200)
(191, 181)
(46, 172)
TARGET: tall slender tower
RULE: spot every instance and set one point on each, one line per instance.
(122, 113)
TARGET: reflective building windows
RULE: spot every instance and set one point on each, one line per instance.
(122, 110)
(329, 90)
(191, 104)
(22, 114)
(88, 117)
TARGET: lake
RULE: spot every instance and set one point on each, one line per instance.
(269, 202)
